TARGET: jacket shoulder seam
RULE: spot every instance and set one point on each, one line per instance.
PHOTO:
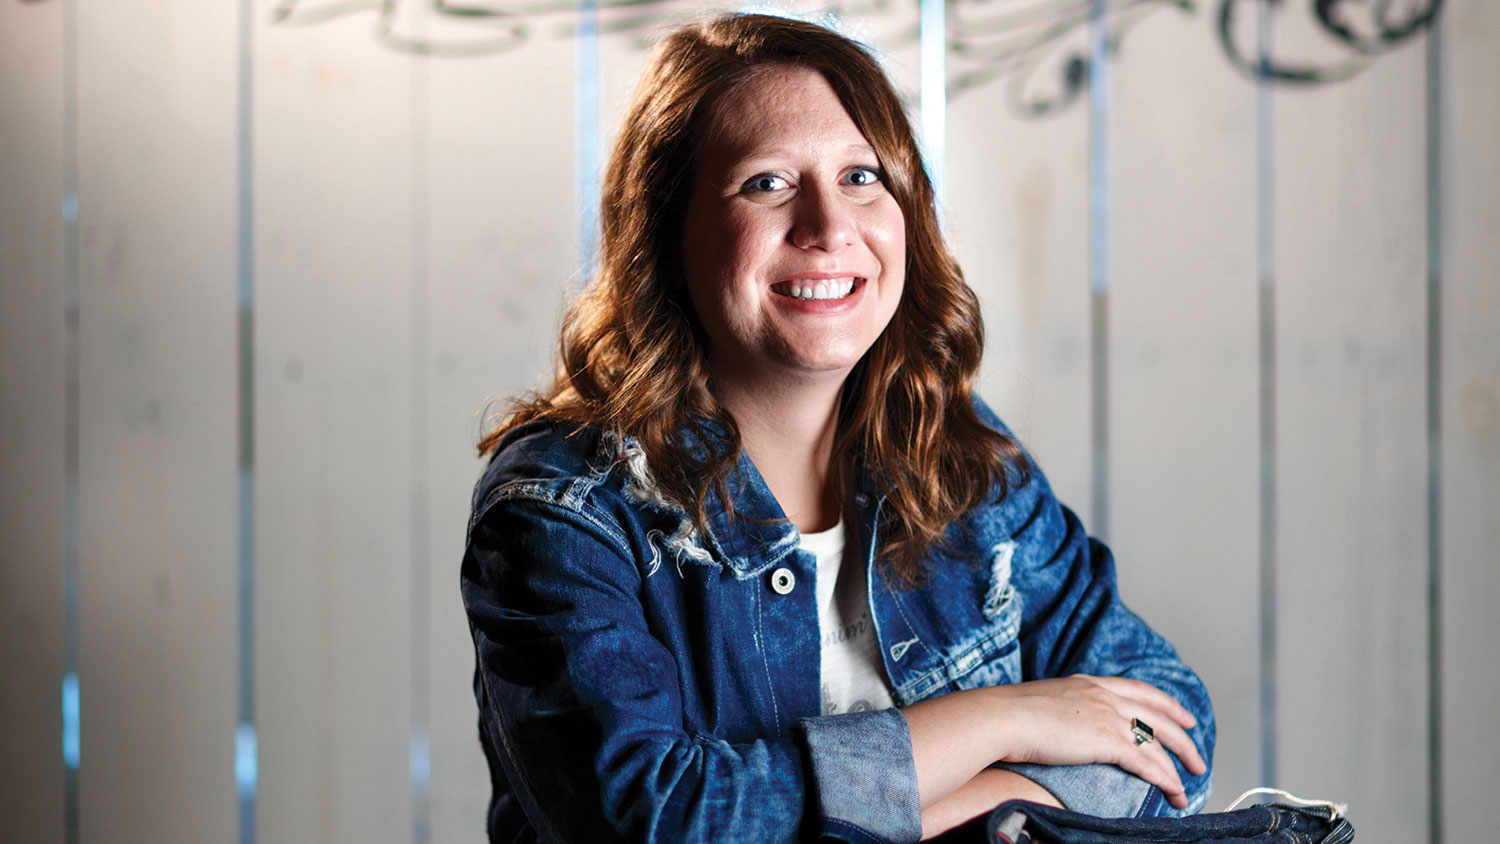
(568, 499)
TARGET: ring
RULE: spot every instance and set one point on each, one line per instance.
(1142, 731)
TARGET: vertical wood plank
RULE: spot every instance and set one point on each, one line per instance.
(157, 610)
(32, 407)
(622, 59)
(1183, 430)
(501, 229)
(1470, 214)
(333, 257)
(1350, 183)
(1018, 220)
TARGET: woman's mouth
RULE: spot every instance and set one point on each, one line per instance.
(813, 289)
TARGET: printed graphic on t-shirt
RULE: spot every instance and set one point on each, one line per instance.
(853, 675)
(848, 632)
(831, 708)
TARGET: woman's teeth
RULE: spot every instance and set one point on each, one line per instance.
(833, 288)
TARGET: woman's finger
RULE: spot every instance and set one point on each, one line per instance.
(1149, 759)
(1160, 710)
(1150, 762)
(1173, 738)
(1161, 772)
(1145, 693)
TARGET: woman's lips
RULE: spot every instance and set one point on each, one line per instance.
(816, 289)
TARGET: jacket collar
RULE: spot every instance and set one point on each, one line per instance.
(756, 534)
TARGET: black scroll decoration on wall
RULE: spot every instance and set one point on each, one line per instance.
(1037, 51)
(1363, 28)
(477, 29)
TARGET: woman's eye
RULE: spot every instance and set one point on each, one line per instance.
(764, 183)
(861, 176)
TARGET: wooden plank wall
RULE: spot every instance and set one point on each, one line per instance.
(33, 385)
(1352, 447)
(1184, 440)
(334, 213)
(1468, 256)
(156, 421)
(500, 216)
(414, 223)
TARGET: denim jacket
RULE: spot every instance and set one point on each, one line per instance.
(640, 681)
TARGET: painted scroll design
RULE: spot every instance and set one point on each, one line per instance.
(1039, 52)
(446, 28)
(1364, 28)
(1036, 50)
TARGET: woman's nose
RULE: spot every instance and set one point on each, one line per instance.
(823, 221)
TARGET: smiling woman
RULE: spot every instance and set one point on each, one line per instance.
(877, 621)
(794, 250)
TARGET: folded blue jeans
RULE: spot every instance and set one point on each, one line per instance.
(1021, 822)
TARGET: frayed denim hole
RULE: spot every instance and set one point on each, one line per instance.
(1001, 592)
(655, 539)
(640, 485)
(684, 545)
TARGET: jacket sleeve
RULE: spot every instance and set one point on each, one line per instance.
(581, 710)
(1074, 622)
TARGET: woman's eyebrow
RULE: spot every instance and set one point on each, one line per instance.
(862, 148)
(752, 158)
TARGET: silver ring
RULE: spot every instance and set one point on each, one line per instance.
(1142, 731)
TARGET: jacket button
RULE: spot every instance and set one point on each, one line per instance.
(783, 581)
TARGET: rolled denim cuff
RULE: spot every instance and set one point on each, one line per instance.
(1101, 790)
(866, 781)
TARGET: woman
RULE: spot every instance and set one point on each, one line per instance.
(759, 566)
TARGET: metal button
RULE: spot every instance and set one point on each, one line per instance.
(783, 581)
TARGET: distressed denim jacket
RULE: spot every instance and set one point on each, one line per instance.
(640, 681)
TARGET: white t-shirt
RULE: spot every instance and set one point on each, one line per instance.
(853, 678)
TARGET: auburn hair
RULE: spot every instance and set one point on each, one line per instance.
(633, 357)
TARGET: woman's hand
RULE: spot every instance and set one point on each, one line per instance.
(1065, 721)
(1081, 719)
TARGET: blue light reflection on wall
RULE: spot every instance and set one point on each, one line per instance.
(246, 751)
(587, 135)
(246, 762)
(70, 734)
(933, 23)
(421, 757)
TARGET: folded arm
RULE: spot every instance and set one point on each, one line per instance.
(1091, 665)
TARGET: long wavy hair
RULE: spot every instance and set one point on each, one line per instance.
(633, 356)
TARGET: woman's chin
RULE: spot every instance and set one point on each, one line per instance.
(817, 366)
(785, 368)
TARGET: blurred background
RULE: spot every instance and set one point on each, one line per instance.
(265, 262)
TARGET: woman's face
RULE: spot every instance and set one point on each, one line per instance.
(794, 250)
